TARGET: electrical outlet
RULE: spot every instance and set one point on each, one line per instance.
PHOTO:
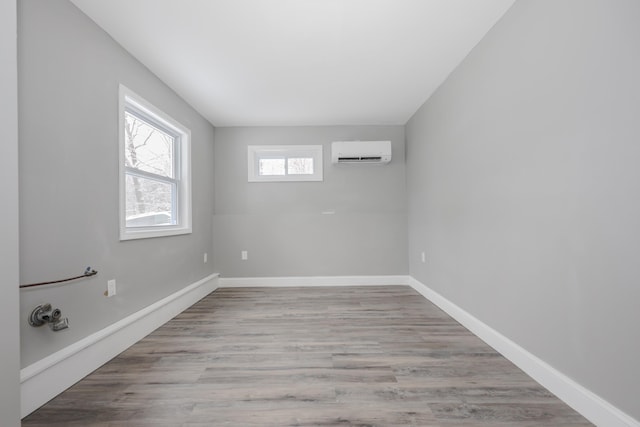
(111, 288)
(244, 255)
(424, 257)
(205, 257)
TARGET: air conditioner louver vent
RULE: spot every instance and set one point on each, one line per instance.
(361, 152)
(377, 159)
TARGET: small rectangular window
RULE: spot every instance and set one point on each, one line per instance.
(273, 163)
(155, 195)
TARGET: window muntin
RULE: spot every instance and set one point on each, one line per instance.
(155, 197)
(268, 163)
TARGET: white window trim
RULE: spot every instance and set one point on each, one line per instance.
(128, 98)
(254, 153)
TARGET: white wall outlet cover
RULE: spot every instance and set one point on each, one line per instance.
(206, 257)
(111, 288)
(244, 255)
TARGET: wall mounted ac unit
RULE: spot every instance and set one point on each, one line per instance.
(361, 152)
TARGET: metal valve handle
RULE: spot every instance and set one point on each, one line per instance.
(44, 314)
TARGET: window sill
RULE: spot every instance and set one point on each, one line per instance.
(133, 234)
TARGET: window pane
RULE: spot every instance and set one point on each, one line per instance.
(300, 166)
(148, 148)
(148, 202)
(271, 167)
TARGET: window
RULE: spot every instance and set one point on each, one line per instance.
(155, 190)
(268, 163)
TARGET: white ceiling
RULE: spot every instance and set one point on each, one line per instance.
(299, 62)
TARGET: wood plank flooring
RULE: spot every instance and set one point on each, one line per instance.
(343, 356)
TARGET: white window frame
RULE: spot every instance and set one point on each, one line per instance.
(132, 102)
(256, 152)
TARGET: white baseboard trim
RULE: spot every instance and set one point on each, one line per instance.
(587, 403)
(241, 282)
(48, 377)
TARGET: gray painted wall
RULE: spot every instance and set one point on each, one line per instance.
(9, 268)
(523, 185)
(281, 225)
(68, 120)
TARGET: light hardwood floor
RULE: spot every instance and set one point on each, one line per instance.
(343, 356)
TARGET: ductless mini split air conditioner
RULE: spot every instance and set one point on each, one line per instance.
(361, 152)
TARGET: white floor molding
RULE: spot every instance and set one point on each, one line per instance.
(45, 379)
(240, 282)
(590, 405)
